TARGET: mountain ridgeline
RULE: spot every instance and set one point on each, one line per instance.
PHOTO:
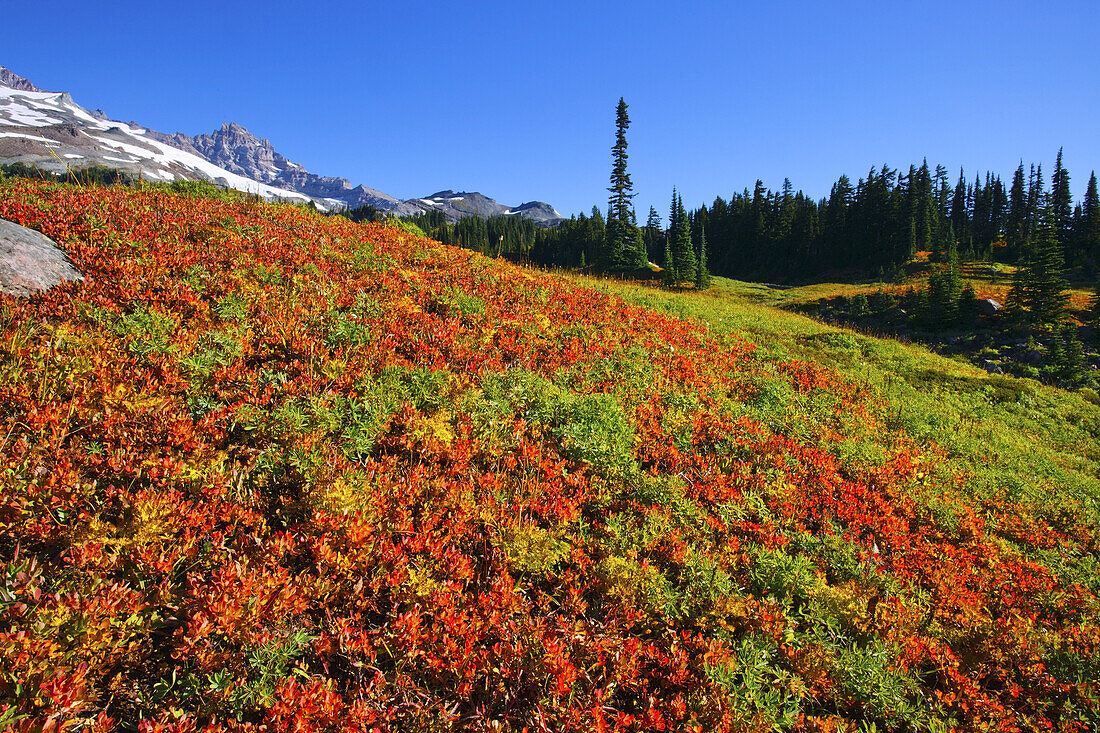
(51, 132)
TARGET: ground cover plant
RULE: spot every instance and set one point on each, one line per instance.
(264, 469)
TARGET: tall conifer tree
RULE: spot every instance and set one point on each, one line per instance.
(702, 277)
(1089, 236)
(1038, 293)
(1016, 221)
(683, 254)
(1061, 204)
(625, 249)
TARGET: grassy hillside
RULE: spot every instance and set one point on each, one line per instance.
(263, 468)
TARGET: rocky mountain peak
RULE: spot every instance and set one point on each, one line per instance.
(10, 79)
(236, 149)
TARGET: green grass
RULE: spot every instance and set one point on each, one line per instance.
(1011, 440)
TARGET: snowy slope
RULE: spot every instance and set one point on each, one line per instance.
(51, 131)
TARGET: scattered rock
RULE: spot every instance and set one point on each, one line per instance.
(988, 306)
(992, 368)
(1033, 357)
(30, 261)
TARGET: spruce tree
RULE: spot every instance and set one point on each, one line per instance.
(624, 248)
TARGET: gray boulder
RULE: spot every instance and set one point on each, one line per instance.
(30, 261)
(988, 306)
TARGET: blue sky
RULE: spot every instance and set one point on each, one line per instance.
(516, 100)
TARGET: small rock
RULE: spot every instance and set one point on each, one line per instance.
(30, 261)
(992, 368)
(988, 306)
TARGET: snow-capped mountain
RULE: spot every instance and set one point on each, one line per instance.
(51, 131)
(235, 149)
(455, 206)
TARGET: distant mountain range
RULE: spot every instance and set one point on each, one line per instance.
(51, 131)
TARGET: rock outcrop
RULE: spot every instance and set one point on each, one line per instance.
(30, 261)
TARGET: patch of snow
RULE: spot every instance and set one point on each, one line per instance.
(20, 114)
(163, 175)
(429, 202)
(90, 121)
(119, 160)
(36, 138)
(72, 155)
(166, 155)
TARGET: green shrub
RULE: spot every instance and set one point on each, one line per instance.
(145, 331)
(590, 428)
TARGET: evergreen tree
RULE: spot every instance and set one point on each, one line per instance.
(624, 249)
(653, 236)
(1016, 221)
(668, 274)
(945, 290)
(1036, 198)
(1089, 224)
(1038, 293)
(1095, 313)
(671, 276)
(683, 254)
(960, 216)
(1073, 355)
(702, 277)
(1061, 204)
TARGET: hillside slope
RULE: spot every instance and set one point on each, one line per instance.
(266, 468)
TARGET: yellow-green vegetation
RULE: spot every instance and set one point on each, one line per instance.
(1014, 439)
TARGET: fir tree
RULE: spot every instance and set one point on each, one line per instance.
(1016, 220)
(1061, 204)
(671, 276)
(624, 249)
(1073, 355)
(1089, 225)
(702, 277)
(683, 254)
(1096, 309)
(652, 235)
(1038, 295)
(668, 275)
(944, 291)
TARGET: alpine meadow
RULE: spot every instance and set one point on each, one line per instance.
(283, 453)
